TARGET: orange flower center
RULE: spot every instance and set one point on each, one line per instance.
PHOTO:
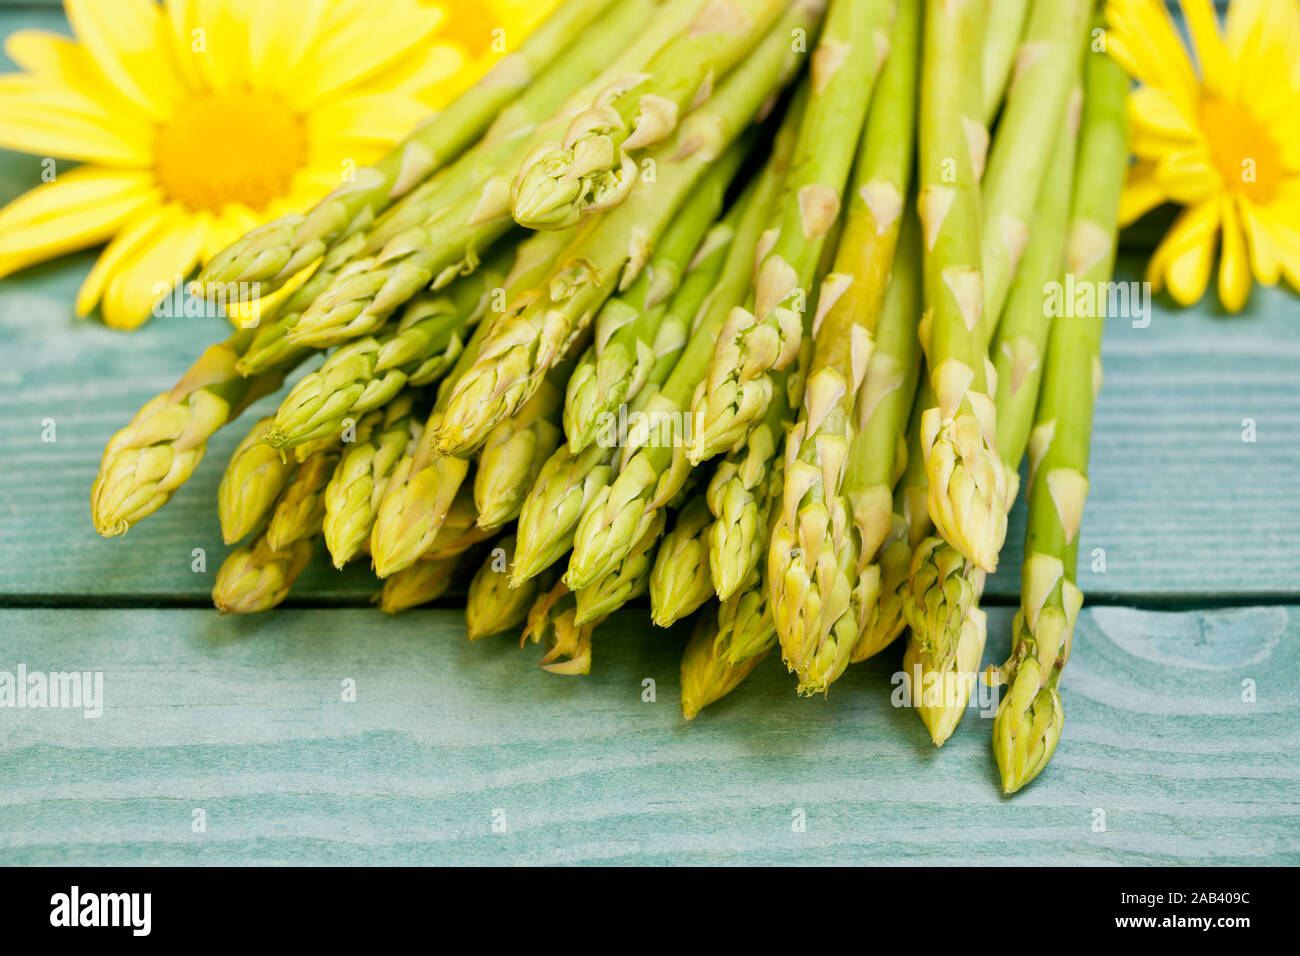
(468, 23)
(1243, 152)
(229, 147)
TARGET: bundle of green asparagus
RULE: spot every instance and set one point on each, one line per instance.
(736, 305)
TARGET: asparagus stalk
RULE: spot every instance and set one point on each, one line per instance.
(273, 253)
(424, 484)
(944, 586)
(940, 696)
(523, 344)
(628, 579)
(251, 483)
(853, 44)
(637, 330)
(565, 488)
(300, 512)
(889, 536)
(967, 485)
(147, 461)
(493, 605)
(367, 373)
(471, 214)
(740, 498)
(1047, 65)
(813, 558)
(707, 675)
(739, 635)
(1006, 23)
(821, 599)
(515, 451)
(551, 622)
(590, 169)
(426, 580)
(361, 478)
(256, 577)
(679, 581)
(1029, 719)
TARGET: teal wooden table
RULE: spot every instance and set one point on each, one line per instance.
(231, 740)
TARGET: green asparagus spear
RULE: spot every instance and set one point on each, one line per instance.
(424, 484)
(492, 605)
(1006, 23)
(366, 373)
(1029, 719)
(426, 580)
(361, 478)
(590, 169)
(1047, 66)
(551, 622)
(943, 585)
(300, 512)
(967, 485)
(813, 556)
(680, 581)
(251, 483)
(707, 675)
(852, 47)
(636, 330)
(515, 451)
(256, 577)
(628, 579)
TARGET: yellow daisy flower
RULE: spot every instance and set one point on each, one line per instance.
(1220, 138)
(196, 120)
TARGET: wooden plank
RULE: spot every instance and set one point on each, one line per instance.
(1180, 504)
(243, 719)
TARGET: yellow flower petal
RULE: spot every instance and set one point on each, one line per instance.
(1160, 113)
(1234, 264)
(49, 120)
(1142, 193)
(419, 72)
(60, 62)
(82, 207)
(1187, 176)
(1182, 261)
(378, 120)
(362, 47)
(128, 41)
(1259, 240)
(152, 271)
(1216, 70)
(1143, 39)
(279, 36)
(133, 236)
(222, 61)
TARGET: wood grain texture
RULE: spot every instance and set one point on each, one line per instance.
(243, 718)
